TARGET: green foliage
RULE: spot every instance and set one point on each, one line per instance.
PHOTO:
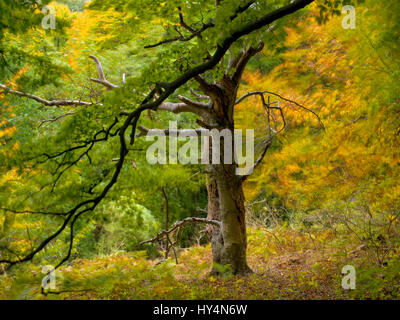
(19, 15)
(322, 193)
(27, 42)
(288, 264)
(125, 225)
(377, 282)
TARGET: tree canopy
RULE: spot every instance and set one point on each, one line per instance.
(76, 102)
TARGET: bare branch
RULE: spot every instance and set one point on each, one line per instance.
(107, 133)
(56, 118)
(285, 99)
(179, 224)
(166, 226)
(143, 131)
(174, 107)
(199, 96)
(101, 77)
(183, 23)
(197, 33)
(208, 88)
(241, 63)
(259, 160)
(201, 105)
(233, 60)
(33, 212)
(193, 107)
(47, 102)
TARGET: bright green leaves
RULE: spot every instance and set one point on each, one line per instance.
(19, 16)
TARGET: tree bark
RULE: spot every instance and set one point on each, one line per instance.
(230, 243)
(226, 198)
(214, 213)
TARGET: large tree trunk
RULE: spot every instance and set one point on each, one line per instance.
(226, 204)
(214, 213)
(225, 191)
(230, 243)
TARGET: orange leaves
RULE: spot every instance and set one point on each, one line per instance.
(8, 132)
(12, 82)
(321, 70)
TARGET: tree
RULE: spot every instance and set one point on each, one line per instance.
(209, 45)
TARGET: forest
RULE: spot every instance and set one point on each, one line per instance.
(199, 150)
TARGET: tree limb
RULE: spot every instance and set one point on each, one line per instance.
(194, 107)
(259, 160)
(199, 96)
(285, 99)
(101, 77)
(47, 102)
(179, 224)
(143, 131)
(33, 212)
(56, 118)
(243, 60)
(197, 33)
(208, 88)
(200, 105)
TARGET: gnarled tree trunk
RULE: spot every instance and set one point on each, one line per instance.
(225, 193)
(229, 244)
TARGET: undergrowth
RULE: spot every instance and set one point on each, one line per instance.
(287, 264)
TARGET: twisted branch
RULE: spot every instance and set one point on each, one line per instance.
(47, 102)
(101, 77)
(180, 224)
(143, 131)
(261, 93)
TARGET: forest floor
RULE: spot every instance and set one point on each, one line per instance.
(287, 264)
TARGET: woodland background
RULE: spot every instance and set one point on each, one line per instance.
(322, 199)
